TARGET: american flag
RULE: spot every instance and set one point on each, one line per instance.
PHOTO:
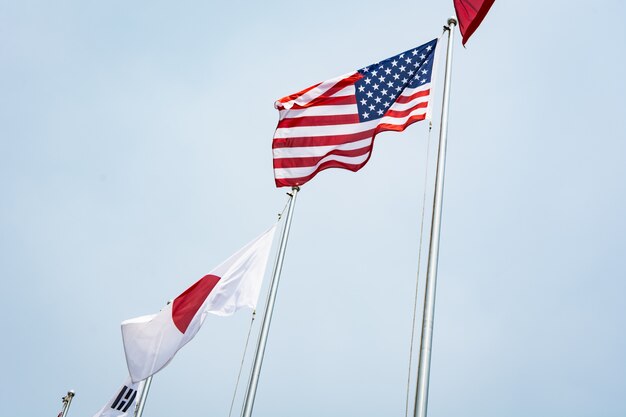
(333, 124)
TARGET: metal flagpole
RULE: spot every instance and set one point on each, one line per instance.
(67, 400)
(267, 318)
(423, 370)
(142, 397)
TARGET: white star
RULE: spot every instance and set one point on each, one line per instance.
(380, 112)
(424, 72)
(375, 86)
(365, 115)
(388, 71)
(425, 62)
(411, 72)
(396, 76)
(414, 52)
(366, 69)
(401, 56)
(381, 79)
(408, 60)
(423, 81)
(429, 47)
(361, 88)
(363, 102)
(394, 63)
(422, 56)
(374, 73)
(372, 108)
(384, 92)
(398, 88)
(390, 84)
(386, 104)
(402, 68)
(368, 80)
(377, 99)
(405, 80)
(369, 94)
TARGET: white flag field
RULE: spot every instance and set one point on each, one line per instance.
(123, 402)
(150, 342)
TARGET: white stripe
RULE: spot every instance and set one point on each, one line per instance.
(402, 120)
(333, 130)
(309, 151)
(319, 111)
(281, 173)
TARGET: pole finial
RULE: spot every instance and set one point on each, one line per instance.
(294, 190)
(69, 396)
(452, 21)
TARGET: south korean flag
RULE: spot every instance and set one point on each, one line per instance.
(123, 402)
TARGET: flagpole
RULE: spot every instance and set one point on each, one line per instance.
(269, 309)
(67, 400)
(143, 396)
(423, 370)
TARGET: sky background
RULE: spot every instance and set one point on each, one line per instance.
(135, 156)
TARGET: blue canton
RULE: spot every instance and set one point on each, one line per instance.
(384, 81)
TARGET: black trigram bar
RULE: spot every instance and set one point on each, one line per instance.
(124, 399)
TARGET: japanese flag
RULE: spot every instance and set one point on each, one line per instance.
(150, 342)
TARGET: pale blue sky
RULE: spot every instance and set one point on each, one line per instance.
(135, 149)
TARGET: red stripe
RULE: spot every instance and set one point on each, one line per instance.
(314, 160)
(330, 101)
(341, 84)
(350, 80)
(383, 127)
(338, 119)
(405, 113)
(188, 303)
(291, 182)
(306, 141)
(296, 95)
(406, 99)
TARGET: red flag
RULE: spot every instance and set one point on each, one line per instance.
(471, 14)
